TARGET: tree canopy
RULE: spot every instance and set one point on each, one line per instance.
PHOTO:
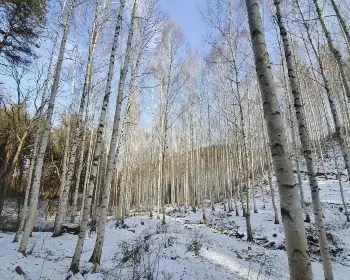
(20, 27)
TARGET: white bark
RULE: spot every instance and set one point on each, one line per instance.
(331, 101)
(38, 136)
(342, 22)
(204, 219)
(340, 184)
(246, 169)
(337, 167)
(111, 167)
(269, 172)
(45, 138)
(74, 212)
(74, 267)
(337, 55)
(66, 154)
(62, 207)
(306, 146)
(87, 172)
(297, 251)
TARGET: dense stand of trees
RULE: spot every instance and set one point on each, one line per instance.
(176, 126)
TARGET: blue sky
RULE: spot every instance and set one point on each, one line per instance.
(186, 14)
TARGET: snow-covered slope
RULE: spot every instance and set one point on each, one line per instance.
(184, 248)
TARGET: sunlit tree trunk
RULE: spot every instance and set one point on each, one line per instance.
(297, 251)
(45, 138)
(78, 179)
(62, 206)
(33, 159)
(306, 146)
(111, 166)
(74, 267)
(87, 172)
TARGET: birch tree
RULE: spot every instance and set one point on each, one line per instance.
(111, 165)
(342, 22)
(298, 257)
(62, 207)
(336, 53)
(326, 84)
(306, 146)
(45, 137)
(74, 267)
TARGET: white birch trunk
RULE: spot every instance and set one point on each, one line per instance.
(269, 174)
(337, 168)
(111, 165)
(62, 206)
(45, 138)
(74, 211)
(306, 146)
(337, 55)
(296, 244)
(342, 22)
(255, 209)
(87, 173)
(246, 171)
(331, 101)
(202, 173)
(38, 136)
(74, 267)
(65, 160)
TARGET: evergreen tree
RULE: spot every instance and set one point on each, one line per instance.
(20, 26)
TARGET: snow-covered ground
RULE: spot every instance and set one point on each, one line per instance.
(184, 248)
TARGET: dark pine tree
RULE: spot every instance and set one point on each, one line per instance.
(20, 24)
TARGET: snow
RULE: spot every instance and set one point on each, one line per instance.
(149, 247)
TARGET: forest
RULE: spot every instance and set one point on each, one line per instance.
(174, 139)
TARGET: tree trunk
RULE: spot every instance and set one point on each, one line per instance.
(74, 267)
(45, 138)
(342, 22)
(87, 172)
(33, 159)
(62, 207)
(337, 55)
(96, 256)
(296, 244)
(338, 134)
(74, 212)
(306, 146)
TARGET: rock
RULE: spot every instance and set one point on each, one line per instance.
(19, 270)
(70, 228)
(239, 235)
(274, 235)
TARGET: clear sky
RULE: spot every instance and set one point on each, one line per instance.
(186, 14)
